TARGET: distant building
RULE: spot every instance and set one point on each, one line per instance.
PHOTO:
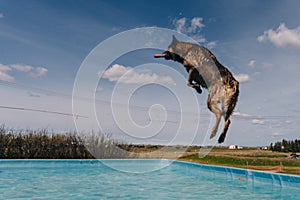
(264, 148)
(235, 147)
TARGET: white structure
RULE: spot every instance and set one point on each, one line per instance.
(235, 147)
(264, 148)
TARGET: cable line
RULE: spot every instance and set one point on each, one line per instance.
(41, 111)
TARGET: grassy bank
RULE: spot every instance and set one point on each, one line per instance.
(242, 158)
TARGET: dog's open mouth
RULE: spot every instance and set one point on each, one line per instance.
(167, 55)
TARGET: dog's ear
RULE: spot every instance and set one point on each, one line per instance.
(174, 40)
(173, 44)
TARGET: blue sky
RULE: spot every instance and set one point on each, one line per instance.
(43, 44)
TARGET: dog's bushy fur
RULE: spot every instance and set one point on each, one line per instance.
(206, 71)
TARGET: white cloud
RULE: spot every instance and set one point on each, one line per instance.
(258, 121)
(38, 72)
(1, 15)
(242, 78)
(241, 115)
(191, 27)
(195, 24)
(31, 71)
(276, 134)
(251, 63)
(199, 38)
(180, 24)
(130, 75)
(4, 68)
(211, 45)
(282, 36)
(185, 25)
(22, 68)
(6, 77)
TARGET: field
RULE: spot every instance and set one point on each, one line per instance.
(242, 157)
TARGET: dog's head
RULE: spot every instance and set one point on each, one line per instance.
(173, 52)
(180, 48)
(176, 51)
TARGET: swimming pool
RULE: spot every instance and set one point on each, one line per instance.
(92, 179)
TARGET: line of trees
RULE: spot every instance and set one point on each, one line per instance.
(286, 146)
(41, 144)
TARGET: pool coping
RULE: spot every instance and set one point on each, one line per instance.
(250, 175)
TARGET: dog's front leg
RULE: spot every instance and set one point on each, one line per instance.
(191, 78)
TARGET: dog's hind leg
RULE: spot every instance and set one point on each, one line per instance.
(227, 109)
(226, 116)
(214, 108)
(223, 134)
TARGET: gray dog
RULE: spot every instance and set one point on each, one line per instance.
(206, 71)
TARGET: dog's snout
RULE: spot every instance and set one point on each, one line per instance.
(167, 55)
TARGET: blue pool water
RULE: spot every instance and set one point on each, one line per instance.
(92, 179)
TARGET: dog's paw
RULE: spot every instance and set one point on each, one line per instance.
(221, 138)
(198, 89)
(213, 134)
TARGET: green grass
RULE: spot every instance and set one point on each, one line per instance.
(233, 161)
(291, 166)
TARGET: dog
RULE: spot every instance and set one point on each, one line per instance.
(195, 80)
(206, 71)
